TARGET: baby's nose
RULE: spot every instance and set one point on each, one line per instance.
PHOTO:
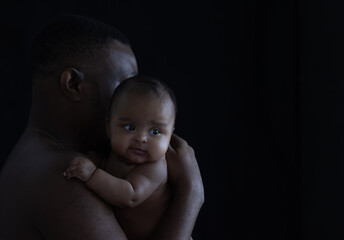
(141, 137)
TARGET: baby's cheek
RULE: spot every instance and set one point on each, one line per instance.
(118, 146)
(163, 146)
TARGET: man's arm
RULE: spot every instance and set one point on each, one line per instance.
(188, 193)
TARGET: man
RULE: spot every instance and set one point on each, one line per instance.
(76, 63)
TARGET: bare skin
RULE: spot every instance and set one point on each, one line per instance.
(137, 186)
(37, 202)
(49, 208)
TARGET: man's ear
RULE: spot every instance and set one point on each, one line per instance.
(70, 83)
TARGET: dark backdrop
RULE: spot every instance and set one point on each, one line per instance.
(259, 85)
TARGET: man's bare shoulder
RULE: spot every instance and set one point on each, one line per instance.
(59, 208)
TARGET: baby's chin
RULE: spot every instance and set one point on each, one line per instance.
(138, 160)
(141, 159)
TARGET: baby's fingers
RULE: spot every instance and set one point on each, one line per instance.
(73, 168)
(69, 173)
(76, 161)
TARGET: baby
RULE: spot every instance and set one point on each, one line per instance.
(140, 125)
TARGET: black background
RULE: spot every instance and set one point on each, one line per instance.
(260, 92)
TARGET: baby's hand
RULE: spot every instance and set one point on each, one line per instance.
(80, 167)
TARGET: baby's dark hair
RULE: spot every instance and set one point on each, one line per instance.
(143, 84)
(69, 37)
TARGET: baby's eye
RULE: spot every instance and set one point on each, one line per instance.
(155, 132)
(129, 127)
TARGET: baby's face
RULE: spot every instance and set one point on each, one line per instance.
(141, 126)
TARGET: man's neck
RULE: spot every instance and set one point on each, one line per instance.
(65, 136)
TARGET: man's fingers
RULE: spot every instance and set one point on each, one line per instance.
(176, 141)
(170, 149)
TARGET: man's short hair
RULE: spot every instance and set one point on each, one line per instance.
(69, 37)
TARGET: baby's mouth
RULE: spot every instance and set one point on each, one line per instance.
(137, 151)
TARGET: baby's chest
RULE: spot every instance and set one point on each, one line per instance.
(118, 168)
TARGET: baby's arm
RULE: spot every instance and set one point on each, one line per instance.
(129, 192)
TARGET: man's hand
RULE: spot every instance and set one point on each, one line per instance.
(183, 170)
(187, 188)
(80, 167)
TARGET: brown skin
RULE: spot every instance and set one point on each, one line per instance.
(37, 202)
(187, 189)
(136, 184)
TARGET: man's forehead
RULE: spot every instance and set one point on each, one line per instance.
(122, 59)
(116, 47)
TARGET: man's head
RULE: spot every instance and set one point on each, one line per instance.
(70, 40)
(76, 63)
(141, 119)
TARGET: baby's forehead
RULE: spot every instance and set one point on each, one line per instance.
(141, 94)
(146, 93)
(142, 101)
(141, 89)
